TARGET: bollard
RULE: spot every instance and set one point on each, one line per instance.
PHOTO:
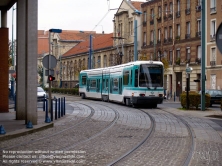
(2, 130)
(174, 96)
(29, 125)
(51, 113)
(47, 119)
(64, 105)
(15, 103)
(44, 103)
(59, 107)
(55, 109)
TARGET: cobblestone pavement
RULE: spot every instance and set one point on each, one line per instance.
(98, 133)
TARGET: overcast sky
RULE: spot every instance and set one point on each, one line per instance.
(74, 15)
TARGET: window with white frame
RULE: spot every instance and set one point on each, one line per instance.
(144, 16)
(213, 54)
(151, 36)
(165, 54)
(152, 14)
(178, 29)
(159, 34)
(188, 27)
(188, 53)
(165, 7)
(159, 11)
(144, 38)
(165, 32)
(199, 52)
(171, 32)
(198, 2)
(99, 61)
(105, 61)
(171, 57)
(171, 8)
(178, 53)
(188, 4)
(213, 81)
(213, 4)
(198, 25)
(178, 5)
(213, 28)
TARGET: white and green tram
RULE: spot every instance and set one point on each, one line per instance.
(133, 83)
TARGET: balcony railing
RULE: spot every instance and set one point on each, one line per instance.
(158, 19)
(178, 14)
(158, 41)
(165, 40)
(187, 36)
(170, 39)
(187, 11)
(151, 22)
(198, 34)
(170, 62)
(198, 60)
(177, 38)
(144, 43)
(144, 23)
(213, 10)
(212, 37)
(198, 8)
(170, 16)
(212, 63)
(151, 42)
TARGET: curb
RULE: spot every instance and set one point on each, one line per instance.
(21, 132)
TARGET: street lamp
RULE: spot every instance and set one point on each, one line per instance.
(50, 71)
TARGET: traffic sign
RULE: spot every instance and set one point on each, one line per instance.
(52, 64)
(219, 38)
(49, 72)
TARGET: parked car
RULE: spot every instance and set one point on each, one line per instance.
(41, 94)
(215, 96)
(77, 85)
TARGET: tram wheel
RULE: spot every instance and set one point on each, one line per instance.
(83, 95)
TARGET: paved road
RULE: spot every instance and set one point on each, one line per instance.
(102, 133)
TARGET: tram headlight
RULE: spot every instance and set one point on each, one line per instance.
(142, 94)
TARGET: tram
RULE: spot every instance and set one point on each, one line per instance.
(133, 83)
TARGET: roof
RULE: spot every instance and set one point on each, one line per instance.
(75, 35)
(136, 4)
(103, 41)
(43, 45)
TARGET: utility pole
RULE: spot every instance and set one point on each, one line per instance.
(203, 42)
(90, 52)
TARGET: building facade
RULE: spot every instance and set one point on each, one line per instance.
(172, 33)
(213, 56)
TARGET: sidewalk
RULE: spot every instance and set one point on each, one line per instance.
(15, 128)
(172, 100)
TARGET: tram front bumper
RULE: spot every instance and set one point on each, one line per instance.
(146, 100)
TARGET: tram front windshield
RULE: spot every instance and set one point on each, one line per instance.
(151, 76)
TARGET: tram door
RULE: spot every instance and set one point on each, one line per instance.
(105, 86)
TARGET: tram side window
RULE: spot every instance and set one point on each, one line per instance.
(115, 84)
(126, 78)
(92, 84)
(83, 80)
(136, 78)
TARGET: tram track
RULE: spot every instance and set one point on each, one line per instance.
(192, 137)
(57, 133)
(149, 137)
(150, 131)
